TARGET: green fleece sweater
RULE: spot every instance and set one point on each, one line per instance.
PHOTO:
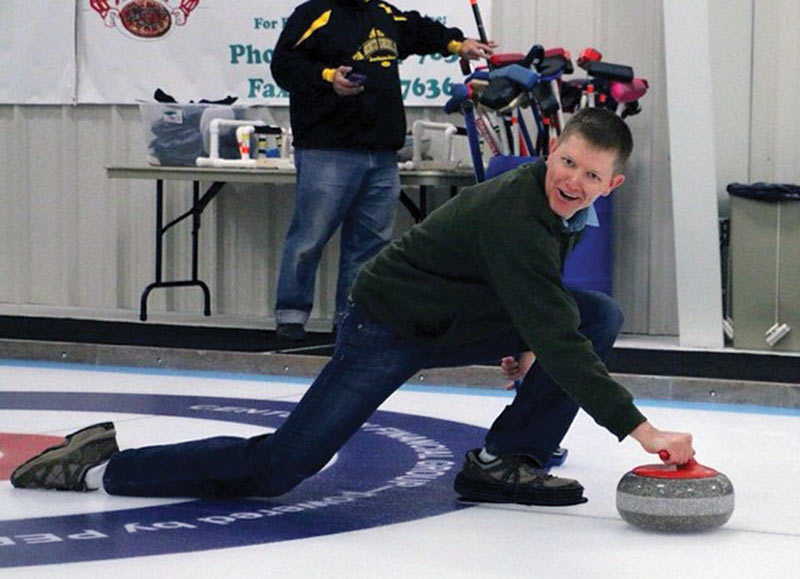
(489, 258)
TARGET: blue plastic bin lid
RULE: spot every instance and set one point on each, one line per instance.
(766, 191)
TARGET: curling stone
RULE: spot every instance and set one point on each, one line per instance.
(675, 499)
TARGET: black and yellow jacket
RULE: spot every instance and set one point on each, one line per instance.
(372, 37)
(488, 259)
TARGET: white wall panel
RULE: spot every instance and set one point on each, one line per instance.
(644, 278)
(694, 187)
(14, 215)
(731, 30)
(775, 125)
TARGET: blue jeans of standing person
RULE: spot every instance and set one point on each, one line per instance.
(368, 364)
(355, 189)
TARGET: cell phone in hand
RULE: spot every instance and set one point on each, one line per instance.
(356, 77)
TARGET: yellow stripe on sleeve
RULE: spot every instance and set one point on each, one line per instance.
(327, 74)
(316, 25)
(453, 46)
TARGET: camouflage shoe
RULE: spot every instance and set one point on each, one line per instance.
(514, 479)
(64, 467)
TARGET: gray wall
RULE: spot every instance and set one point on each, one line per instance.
(77, 244)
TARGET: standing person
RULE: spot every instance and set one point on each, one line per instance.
(477, 280)
(346, 130)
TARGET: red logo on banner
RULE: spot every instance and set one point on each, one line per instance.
(144, 19)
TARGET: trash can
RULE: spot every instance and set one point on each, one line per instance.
(765, 264)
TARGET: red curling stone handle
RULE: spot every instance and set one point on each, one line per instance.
(689, 470)
(664, 455)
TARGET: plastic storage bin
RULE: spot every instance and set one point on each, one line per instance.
(176, 134)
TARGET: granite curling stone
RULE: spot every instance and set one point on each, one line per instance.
(675, 499)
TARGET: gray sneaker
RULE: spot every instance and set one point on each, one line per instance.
(64, 467)
(514, 479)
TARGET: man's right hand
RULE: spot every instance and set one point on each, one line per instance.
(677, 444)
(342, 86)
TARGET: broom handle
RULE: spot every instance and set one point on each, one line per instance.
(476, 11)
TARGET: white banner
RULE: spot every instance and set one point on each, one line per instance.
(195, 49)
(37, 49)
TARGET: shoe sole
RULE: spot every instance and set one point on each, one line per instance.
(72, 442)
(487, 493)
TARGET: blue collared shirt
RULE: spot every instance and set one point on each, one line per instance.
(586, 217)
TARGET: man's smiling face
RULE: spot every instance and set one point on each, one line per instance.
(577, 174)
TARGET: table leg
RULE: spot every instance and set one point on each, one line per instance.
(196, 211)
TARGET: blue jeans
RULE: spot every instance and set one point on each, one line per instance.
(368, 364)
(354, 189)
